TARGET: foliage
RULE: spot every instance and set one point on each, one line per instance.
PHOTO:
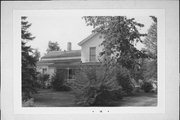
(95, 85)
(28, 103)
(149, 69)
(42, 80)
(107, 97)
(137, 72)
(150, 65)
(120, 36)
(53, 46)
(29, 73)
(147, 86)
(124, 79)
(151, 39)
(37, 54)
(58, 81)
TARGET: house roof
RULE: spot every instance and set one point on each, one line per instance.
(88, 38)
(63, 57)
(63, 54)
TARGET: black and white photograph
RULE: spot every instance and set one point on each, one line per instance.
(90, 60)
(85, 61)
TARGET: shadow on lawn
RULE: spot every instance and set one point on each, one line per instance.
(50, 98)
(139, 99)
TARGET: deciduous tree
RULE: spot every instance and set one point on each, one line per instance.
(151, 39)
(37, 54)
(120, 36)
(53, 46)
(150, 66)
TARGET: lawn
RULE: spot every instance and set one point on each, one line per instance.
(140, 99)
(50, 98)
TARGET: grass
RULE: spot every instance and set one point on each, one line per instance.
(140, 99)
(50, 98)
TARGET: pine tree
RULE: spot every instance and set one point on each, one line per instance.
(29, 74)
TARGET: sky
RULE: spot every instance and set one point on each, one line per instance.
(63, 29)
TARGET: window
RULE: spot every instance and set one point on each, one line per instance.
(71, 74)
(92, 57)
(44, 70)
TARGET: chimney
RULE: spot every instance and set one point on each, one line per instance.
(69, 46)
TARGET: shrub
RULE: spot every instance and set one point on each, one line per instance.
(107, 97)
(147, 87)
(28, 103)
(42, 80)
(124, 79)
(95, 86)
(58, 81)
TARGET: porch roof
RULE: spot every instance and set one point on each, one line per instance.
(74, 64)
(91, 63)
(44, 63)
(65, 66)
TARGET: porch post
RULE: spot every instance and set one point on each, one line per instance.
(67, 73)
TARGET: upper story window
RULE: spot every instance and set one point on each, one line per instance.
(92, 57)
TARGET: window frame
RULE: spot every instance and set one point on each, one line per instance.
(92, 57)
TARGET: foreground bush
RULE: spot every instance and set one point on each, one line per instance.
(58, 81)
(43, 80)
(147, 86)
(96, 86)
(107, 97)
(28, 103)
(124, 79)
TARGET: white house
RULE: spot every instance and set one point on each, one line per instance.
(91, 47)
(71, 59)
(60, 60)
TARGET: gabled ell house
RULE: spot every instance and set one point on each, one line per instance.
(70, 60)
(91, 47)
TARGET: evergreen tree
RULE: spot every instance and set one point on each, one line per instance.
(29, 74)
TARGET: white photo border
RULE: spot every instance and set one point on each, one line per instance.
(18, 109)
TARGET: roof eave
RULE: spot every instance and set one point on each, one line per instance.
(87, 39)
